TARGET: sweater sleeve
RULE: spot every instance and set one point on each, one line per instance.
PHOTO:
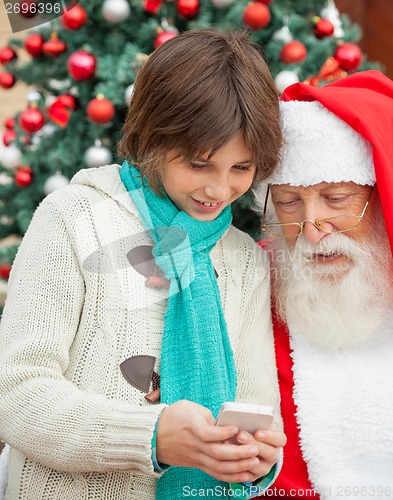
(42, 414)
(255, 357)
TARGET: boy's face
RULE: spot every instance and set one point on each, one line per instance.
(203, 188)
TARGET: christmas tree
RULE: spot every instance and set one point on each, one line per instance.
(84, 63)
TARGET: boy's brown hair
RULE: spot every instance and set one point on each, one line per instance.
(195, 93)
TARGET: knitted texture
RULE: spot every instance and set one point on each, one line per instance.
(75, 310)
(196, 357)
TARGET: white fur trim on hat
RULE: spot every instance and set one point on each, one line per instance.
(319, 147)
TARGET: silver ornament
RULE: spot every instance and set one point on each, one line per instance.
(115, 11)
(11, 157)
(34, 96)
(128, 94)
(222, 4)
(55, 182)
(97, 156)
(285, 78)
(283, 34)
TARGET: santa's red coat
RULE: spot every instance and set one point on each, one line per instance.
(293, 481)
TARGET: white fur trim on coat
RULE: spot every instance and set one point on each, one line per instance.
(344, 404)
(319, 147)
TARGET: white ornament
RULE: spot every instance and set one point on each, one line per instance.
(34, 96)
(116, 11)
(97, 156)
(166, 26)
(54, 182)
(331, 13)
(5, 180)
(59, 85)
(47, 130)
(338, 31)
(128, 94)
(35, 141)
(285, 78)
(283, 34)
(222, 4)
(11, 157)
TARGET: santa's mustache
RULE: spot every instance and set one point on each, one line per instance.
(332, 244)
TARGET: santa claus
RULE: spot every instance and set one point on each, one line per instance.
(328, 216)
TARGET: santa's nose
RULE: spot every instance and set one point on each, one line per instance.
(312, 232)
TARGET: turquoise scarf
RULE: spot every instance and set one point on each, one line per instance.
(196, 358)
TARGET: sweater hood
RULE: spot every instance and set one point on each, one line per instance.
(107, 180)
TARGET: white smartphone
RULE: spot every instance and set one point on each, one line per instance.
(247, 417)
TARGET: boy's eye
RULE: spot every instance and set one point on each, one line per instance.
(245, 168)
(197, 166)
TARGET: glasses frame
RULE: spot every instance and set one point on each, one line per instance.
(317, 223)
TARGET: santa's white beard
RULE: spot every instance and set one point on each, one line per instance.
(332, 305)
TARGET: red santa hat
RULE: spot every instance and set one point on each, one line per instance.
(342, 131)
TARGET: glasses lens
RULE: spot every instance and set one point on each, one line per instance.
(283, 230)
(339, 224)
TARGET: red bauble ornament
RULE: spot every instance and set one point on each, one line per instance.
(7, 55)
(152, 6)
(59, 111)
(81, 65)
(323, 28)
(9, 123)
(5, 270)
(163, 37)
(74, 18)
(100, 110)
(293, 52)
(68, 101)
(23, 176)
(31, 120)
(33, 44)
(8, 137)
(266, 2)
(256, 15)
(28, 8)
(187, 9)
(7, 80)
(54, 46)
(349, 56)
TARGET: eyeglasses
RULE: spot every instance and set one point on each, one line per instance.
(346, 222)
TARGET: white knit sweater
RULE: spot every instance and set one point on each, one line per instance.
(75, 310)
